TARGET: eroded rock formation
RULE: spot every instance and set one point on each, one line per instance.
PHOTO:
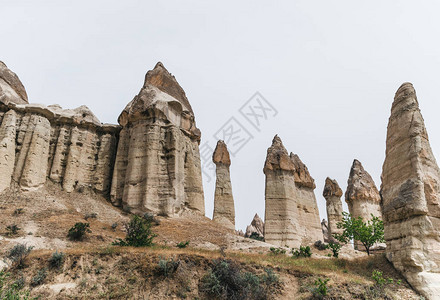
(256, 227)
(291, 216)
(306, 202)
(411, 196)
(11, 88)
(325, 232)
(332, 194)
(224, 211)
(157, 167)
(70, 147)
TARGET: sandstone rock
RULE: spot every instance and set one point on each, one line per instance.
(291, 216)
(256, 226)
(224, 211)
(281, 211)
(325, 231)
(332, 194)
(157, 167)
(310, 228)
(362, 196)
(7, 148)
(410, 196)
(69, 146)
(11, 88)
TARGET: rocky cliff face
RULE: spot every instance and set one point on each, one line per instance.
(70, 147)
(256, 227)
(332, 194)
(157, 167)
(224, 211)
(291, 216)
(410, 196)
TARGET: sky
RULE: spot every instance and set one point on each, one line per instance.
(326, 73)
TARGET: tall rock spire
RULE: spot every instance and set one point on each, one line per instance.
(157, 167)
(411, 196)
(332, 194)
(224, 211)
(362, 196)
(291, 216)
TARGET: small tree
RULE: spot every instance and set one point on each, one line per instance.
(368, 233)
(139, 233)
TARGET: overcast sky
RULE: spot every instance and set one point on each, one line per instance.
(329, 68)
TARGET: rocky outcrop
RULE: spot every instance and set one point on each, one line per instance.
(256, 227)
(224, 211)
(291, 215)
(11, 88)
(332, 194)
(325, 232)
(411, 196)
(40, 143)
(157, 167)
(362, 196)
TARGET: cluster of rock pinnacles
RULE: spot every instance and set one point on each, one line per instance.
(150, 162)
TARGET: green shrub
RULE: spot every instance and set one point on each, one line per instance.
(18, 211)
(18, 254)
(225, 280)
(320, 290)
(56, 260)
(166, 267)
(377, 276)
(368, 233)
(182, 244)
(78, 231)
(12, 291)
(12, 230)
(277, 251)
(39, 277)
(335, 247)
(303, 251)
(256, 236)
(139, 233)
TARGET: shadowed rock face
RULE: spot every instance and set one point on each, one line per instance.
(11, 88)
(157, 166)
(256, 226)
(224, 211)
(410, 196)
(332, 194)
(291, 215)
(362, 196)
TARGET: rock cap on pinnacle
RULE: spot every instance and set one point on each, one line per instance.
(301, 174)
(11, 88)
(221, 154)
(360, 185)
(277, 157)
(331, 188)
(167, 83)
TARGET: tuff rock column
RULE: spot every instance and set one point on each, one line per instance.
(7, 149)
(310, 225)
(362, 196)
(411, 196)
(157, 167)
(224, 211)
(332, 194)
(256, 227)
(281, 225)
